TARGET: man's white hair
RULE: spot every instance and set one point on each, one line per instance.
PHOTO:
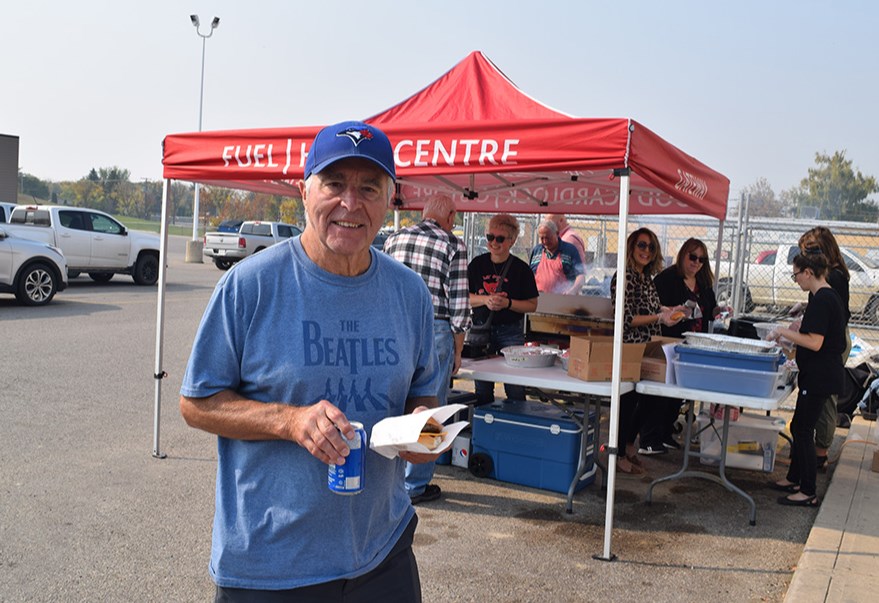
(549, 225)
(438, 207)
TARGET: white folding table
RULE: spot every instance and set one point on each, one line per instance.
(691, 396)
(552, 383)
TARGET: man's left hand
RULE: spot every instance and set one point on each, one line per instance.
(416, 458)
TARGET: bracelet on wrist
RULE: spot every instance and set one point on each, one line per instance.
(509, 303)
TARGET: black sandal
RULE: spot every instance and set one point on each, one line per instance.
(812, 501)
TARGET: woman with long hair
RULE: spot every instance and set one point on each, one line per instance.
(820, 342)
(642, 316)
(688, 281)
(820, 241)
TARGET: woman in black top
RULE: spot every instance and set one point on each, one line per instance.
(820, 240)
(820, 343)
(509, 300)
(689, 279)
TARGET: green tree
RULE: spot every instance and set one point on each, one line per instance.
(292, 211)
(763, 201)
(836, 189)
(33, 186)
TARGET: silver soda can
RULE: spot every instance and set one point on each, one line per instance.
(348, 478)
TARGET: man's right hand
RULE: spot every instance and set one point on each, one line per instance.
(231, 415)
(320, 428)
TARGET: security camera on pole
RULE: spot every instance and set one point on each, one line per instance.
(195, 247)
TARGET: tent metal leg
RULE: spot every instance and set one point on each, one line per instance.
(159, 373)
(613, 429)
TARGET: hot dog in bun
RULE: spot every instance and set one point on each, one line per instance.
(431, 436)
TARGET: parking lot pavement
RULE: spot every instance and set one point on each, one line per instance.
(88, 514)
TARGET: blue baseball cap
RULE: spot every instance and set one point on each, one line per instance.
(350, 139)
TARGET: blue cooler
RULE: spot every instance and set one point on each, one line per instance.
(530, 443)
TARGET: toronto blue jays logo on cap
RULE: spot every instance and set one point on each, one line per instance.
(357, 135)
(329, 146)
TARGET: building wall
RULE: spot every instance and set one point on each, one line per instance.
(8, 168)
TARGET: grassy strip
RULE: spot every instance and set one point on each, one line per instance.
(154, 226)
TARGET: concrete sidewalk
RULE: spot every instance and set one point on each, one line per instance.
(841, 555)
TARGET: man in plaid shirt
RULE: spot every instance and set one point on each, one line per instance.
(430, 249)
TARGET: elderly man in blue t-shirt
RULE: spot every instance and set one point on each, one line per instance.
(296, 343)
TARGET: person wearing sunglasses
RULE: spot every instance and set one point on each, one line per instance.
(507, 299)
(688, 283)
(556, 265)
(643, 314)
(820, 241)
(820, 343)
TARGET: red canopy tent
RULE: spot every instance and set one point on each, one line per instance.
(474, 135)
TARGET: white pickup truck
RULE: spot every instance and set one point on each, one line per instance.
(227, 248)
(92, 241)
(767, 282)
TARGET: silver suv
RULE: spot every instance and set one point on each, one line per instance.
(34, 272)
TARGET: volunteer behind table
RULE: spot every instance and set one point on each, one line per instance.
(689, 279)
(820, 342)
(517, 296)
(642, 316)
(820, 240)
(569, 235)
(556, 265)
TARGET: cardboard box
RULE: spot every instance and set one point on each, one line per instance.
(532, 444)
(591, 359)
(656, 364)
(875, 467)
(752, 442)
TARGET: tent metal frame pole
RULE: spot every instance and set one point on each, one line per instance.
(614, 446)
(158, 373)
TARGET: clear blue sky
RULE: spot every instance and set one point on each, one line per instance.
(751, 88)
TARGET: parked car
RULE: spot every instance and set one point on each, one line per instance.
(381, 236)
(34, 272)
(92, 241)
(253, 236)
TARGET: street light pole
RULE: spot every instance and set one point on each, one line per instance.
(194, 251)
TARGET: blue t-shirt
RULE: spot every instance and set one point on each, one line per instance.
(280, 329)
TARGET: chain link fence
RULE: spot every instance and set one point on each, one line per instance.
(751, 258)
